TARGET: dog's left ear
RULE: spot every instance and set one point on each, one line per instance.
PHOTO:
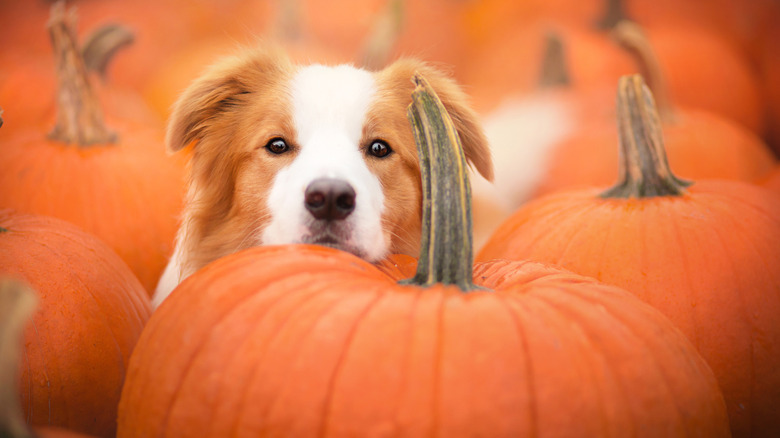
(219, 89)
(466, 120)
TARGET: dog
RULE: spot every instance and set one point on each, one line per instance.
(319, 154)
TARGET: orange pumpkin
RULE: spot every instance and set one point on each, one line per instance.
(17, 303)
(304, 340)
(743, 24)
(159, 28)
(509, 65)
(91, 312)
(731, 90)
(29, 82)
(700, 144)
(358, 353)
(120, 187)
(706, 256)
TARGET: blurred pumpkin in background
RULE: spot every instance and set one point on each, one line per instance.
(118, 185)
(90, 314)
(706, 254)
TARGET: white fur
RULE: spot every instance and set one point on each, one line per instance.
(522, 133)
(171, 277)
(329, 109)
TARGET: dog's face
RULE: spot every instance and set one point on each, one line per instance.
(306, 154)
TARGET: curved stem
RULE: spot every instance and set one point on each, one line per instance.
(17, 303)
(446, 254)
(632, 37)
(101, 45)
(555, 72)
(644, 169)
(79, 116)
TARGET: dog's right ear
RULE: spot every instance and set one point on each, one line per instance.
(219, 89)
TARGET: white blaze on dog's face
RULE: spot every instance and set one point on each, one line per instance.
(304, 154)
(330, 170)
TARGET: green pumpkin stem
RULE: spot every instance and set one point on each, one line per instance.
(17, 303)
(644, 169)
(446, 254)
(79, 115)
(555, 72)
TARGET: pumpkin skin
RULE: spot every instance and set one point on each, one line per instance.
(256, 344)
(90, 314)
(772, 182)
(707, 258)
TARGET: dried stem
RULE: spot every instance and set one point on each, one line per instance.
(555, 72)
(79, 116)
(631, 36)
(614, 13)
(102, 45)
(644, 169)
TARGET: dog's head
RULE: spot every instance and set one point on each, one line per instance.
(307, 154)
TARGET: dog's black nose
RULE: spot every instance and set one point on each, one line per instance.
(329, 198)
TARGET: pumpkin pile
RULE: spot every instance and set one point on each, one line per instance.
(339, 349)
(627, 274)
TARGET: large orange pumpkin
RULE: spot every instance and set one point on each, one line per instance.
(707, 256)
(311, 341)
(91, 312)
(119, 186)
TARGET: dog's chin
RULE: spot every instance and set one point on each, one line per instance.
(333, 240)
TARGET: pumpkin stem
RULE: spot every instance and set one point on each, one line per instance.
(644, 169)
(379, 44)
(79, 116)
(632, 37)
(446, 254)
(17, 303)
(555, 72)
(614, 12)
(102, 45)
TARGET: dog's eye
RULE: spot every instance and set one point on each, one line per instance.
(379, 149)
(277, 146)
